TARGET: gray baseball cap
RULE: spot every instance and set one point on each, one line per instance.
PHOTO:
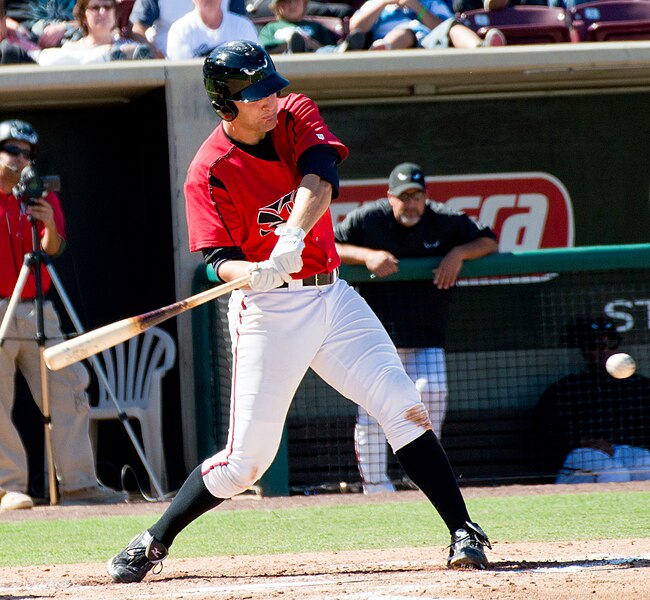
(406, 176)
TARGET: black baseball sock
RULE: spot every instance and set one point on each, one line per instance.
(191, 501)
(426, 463)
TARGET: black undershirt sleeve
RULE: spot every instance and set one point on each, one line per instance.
(321, 160)
(217, 256)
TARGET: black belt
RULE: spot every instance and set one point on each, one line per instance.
(318, 279)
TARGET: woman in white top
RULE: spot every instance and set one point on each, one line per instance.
(198, 32)
(100, 42)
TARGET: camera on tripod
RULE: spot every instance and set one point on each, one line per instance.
(32, 186)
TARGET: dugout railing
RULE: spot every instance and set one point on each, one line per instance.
(506, 344)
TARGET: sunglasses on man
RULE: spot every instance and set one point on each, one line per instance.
(16, 151)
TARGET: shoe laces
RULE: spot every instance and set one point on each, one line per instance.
(474, 536)
(156, 563)
(139, 552)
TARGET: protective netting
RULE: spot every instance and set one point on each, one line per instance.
(509, 339)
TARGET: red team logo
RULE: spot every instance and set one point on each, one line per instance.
(527, 211)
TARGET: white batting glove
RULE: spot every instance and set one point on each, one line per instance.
(265, 277)
(286, 255)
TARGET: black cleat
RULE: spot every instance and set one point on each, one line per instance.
(466, 550)
(137, 559)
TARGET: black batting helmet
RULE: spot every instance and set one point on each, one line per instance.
(18, 130)
(239, 71)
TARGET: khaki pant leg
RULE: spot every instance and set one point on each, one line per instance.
(69, 406)
(13, 457)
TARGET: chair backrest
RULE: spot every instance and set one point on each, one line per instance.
(132, 367)
(522, 24)
(611, 20)
(340, 27)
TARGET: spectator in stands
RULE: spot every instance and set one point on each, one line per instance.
(377, 235)
(11, 52)
(100, 41)
(198, 32)
(417, 24)
(315, 8)
(46, 22)
(291, 33)
(593, 427)
(151, 19)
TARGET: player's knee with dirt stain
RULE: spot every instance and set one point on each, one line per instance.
(227, 476)
(406, 425)
(420, 416)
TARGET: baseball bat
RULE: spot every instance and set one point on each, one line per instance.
(71, 351)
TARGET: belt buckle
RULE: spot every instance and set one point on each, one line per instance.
(328, 278)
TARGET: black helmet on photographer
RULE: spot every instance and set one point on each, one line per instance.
(18, 144)
(15, 129)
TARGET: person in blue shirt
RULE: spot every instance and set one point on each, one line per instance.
(416, 24)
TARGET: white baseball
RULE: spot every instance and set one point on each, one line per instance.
(620, 365)
(421, 384)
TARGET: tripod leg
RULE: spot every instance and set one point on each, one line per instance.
(45, 388)
(14, 300)
(51, 468)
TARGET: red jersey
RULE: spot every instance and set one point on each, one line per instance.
(235, 199)
(16, 241)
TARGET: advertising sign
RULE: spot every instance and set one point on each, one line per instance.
(527, 211)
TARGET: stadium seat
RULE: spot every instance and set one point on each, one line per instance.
(522, 24)
(612, 20)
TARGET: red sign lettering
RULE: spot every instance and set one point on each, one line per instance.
(527, 211)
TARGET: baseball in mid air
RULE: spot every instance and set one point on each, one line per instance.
(620, 365)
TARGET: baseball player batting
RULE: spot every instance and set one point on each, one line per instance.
(258, 194)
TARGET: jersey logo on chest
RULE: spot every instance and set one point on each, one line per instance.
(276, 213)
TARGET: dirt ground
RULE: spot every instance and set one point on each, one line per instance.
(617, 569)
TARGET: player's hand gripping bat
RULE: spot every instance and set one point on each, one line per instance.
(80, 347)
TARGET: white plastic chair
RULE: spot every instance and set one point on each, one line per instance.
(134, 371)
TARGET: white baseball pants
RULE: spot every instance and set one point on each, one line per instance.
(276, 336)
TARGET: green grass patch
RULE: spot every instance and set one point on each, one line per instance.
(561, 517)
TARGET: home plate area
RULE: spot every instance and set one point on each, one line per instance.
(556, 570)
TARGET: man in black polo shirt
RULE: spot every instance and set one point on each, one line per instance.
(378, 234)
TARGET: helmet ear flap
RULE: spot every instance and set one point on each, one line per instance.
(226, 109)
